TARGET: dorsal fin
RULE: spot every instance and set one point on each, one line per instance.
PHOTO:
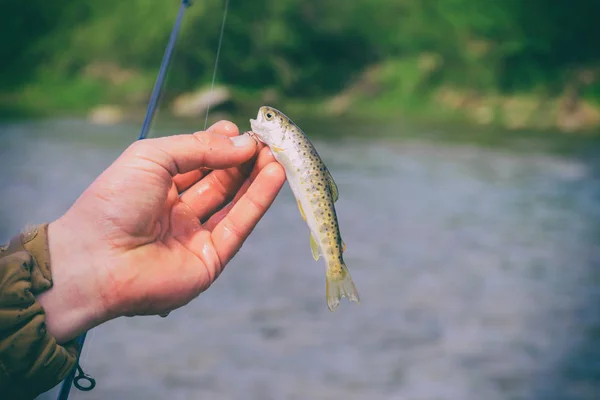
(333, 187)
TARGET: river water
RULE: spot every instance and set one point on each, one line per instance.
(477, 270)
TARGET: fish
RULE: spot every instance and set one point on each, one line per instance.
(315, 192)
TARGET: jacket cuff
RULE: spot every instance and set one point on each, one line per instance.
(31, 362)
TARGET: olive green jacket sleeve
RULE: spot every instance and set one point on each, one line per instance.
(31, 362)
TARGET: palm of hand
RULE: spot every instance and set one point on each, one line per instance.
(169, 227)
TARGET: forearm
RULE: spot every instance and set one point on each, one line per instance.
(72, 305)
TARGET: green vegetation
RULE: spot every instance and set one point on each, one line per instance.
(514, 63)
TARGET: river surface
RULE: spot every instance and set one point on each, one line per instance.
(477, 270)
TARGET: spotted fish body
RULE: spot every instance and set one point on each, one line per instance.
(315, 192)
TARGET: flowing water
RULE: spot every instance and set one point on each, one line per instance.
(477, 269)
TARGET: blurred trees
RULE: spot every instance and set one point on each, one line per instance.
(307, 47)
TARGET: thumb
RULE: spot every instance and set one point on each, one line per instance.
(184, 153)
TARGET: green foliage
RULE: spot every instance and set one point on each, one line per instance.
(300, 48)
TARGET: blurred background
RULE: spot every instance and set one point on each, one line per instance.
(463, 136)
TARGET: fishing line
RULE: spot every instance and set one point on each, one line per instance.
(216, 62)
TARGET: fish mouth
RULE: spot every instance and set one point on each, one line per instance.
(255, 122)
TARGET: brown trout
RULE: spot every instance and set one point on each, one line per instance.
(315, 192)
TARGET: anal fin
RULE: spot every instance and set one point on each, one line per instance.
(314, 247)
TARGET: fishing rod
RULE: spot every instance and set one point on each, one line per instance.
(82, 381)
(162, 73)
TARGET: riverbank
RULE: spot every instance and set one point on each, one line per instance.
(515, 66)
(108, 94)
(414, 88)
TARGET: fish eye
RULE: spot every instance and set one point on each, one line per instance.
(269, 116)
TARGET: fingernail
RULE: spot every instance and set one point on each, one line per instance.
(223, 125)
(242, 140)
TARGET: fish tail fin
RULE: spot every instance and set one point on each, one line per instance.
(339, 284)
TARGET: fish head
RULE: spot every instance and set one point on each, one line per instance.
(269, 125)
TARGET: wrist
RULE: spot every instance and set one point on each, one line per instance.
(73, 304)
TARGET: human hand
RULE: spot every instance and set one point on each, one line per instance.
(157, 227)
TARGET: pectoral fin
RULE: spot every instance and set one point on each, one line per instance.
(314, 247)
(276, 149)
(333, 187)
(301, 210)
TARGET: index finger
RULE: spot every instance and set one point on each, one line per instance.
(184, 153)
(231, 232)
(184, 181)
